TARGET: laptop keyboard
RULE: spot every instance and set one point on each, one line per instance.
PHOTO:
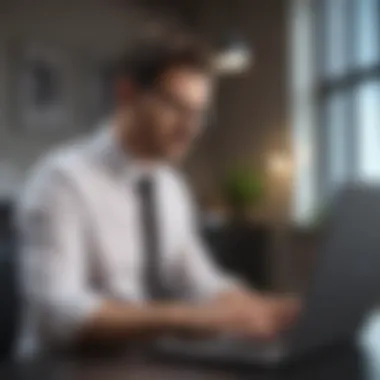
(224, 347)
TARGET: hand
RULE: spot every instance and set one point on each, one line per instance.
(281, 313)
(287, 310)
(264, 317)
(251, 316)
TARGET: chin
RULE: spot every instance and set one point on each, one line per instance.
(176, 155)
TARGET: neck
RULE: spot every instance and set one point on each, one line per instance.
(131, 140)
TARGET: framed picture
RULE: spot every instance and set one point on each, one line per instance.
(43, 91)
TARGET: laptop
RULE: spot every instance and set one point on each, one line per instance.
(344, 289)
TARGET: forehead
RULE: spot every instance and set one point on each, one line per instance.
(189, 84)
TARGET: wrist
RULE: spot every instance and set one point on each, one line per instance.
(174, 317)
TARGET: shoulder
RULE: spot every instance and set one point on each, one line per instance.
(55, 170)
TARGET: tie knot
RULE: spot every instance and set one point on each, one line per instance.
(145, 185)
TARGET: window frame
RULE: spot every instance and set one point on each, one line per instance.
(345, 83)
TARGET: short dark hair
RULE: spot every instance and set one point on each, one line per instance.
(146, 64)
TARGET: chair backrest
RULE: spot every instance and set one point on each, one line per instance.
(9, 294)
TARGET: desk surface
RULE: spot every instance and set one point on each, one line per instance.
(359, 361)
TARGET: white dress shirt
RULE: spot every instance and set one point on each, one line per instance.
(82, 244)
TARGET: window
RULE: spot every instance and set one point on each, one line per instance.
(347, 40)
(342, 57)
(368, 131)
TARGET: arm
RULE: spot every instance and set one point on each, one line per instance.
(117, 322)
(202, 278)
(55, 279)
(248, 311)
(254, 313)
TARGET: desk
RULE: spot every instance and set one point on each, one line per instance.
(357, 361)
(346, 363)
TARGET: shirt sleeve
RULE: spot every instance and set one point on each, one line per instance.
(202, 278)
(53, 262)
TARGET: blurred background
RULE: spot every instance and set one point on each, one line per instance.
(295, 117)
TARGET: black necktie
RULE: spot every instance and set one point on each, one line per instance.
(150, 235)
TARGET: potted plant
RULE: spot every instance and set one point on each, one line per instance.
(242, 189)
(246, 243)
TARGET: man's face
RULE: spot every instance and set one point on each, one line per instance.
(172, 113)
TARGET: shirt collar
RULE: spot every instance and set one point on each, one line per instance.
(106, 148)
(111, 154)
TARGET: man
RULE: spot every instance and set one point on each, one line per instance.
(110, 252)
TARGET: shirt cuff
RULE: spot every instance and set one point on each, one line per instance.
(68, 315)
(219, 286)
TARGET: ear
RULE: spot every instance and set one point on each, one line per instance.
(125, 91)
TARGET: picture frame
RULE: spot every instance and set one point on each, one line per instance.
(43, 89)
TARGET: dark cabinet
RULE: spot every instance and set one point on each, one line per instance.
(242, 248)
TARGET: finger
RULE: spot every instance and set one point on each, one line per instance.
(266, 327)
